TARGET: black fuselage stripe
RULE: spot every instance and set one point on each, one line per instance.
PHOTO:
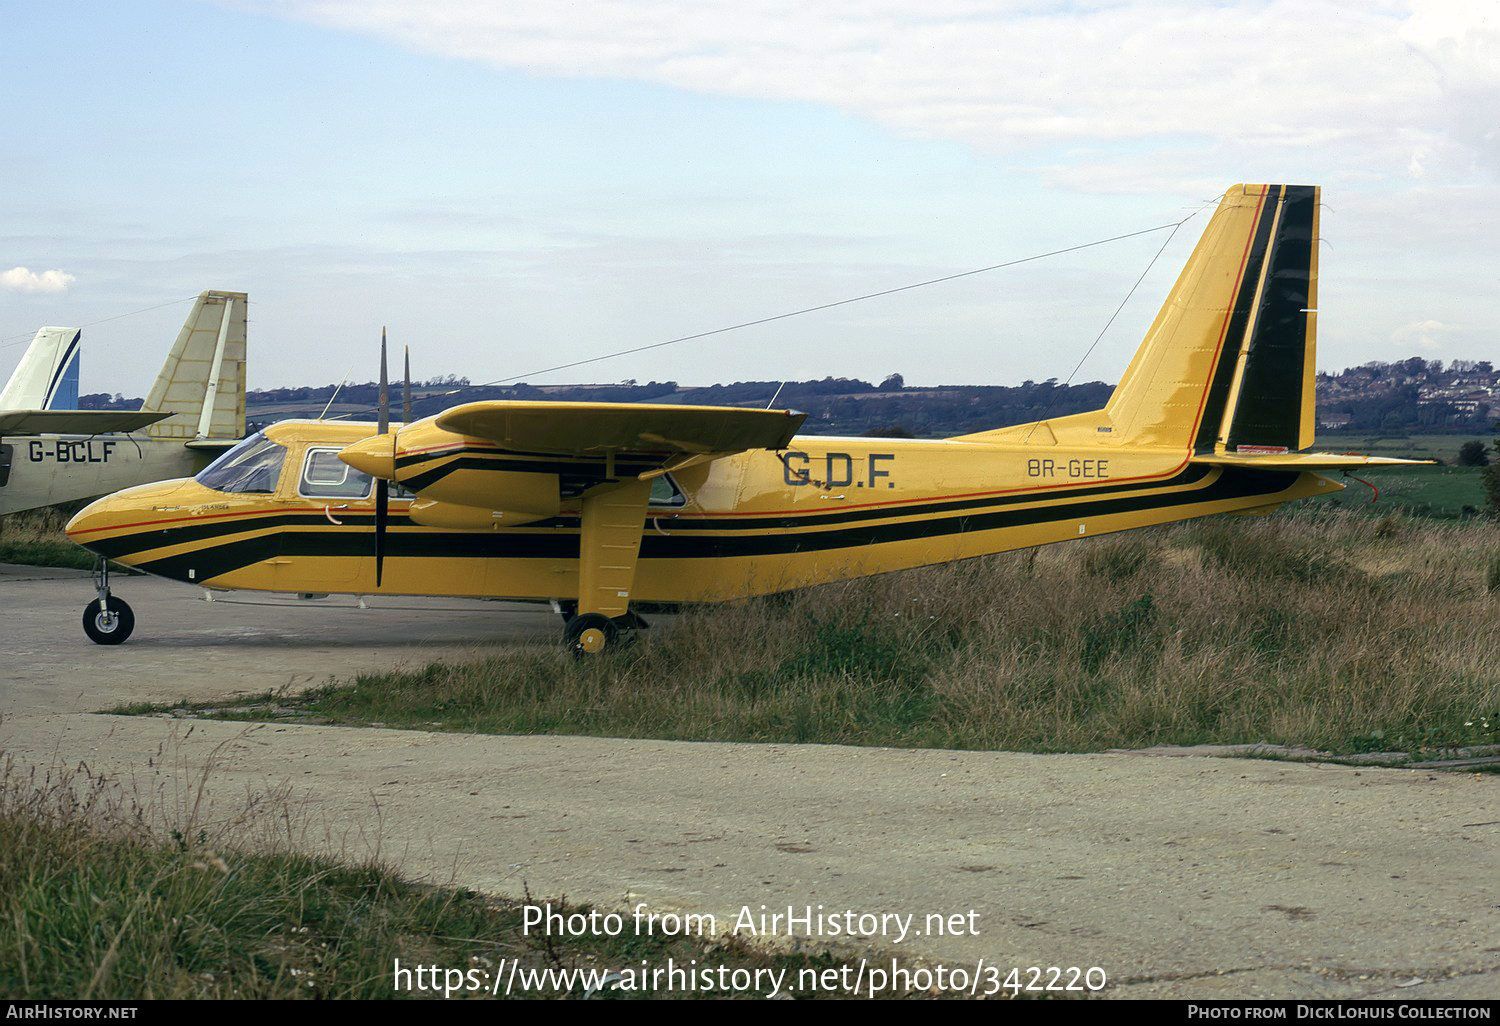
(212, 561)
(141, 541)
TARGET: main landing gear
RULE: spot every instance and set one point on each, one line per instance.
(107, 620)
(586, 634)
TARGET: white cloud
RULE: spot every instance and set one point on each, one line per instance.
(1426, 335)
(23, 279)
(1407, 87)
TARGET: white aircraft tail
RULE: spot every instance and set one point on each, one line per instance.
(203, 381)
(47, 376)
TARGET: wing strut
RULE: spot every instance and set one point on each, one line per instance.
(610, 547)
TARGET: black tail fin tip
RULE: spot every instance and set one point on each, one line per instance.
(1260, 397)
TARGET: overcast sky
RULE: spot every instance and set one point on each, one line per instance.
(513, 185)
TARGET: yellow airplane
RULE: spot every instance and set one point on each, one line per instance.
(604, 508)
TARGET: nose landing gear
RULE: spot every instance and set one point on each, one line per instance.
(107, 620)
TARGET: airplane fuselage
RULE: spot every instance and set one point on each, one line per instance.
(759, 522)
(43, 470)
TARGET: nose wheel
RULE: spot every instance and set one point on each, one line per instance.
(107, 620)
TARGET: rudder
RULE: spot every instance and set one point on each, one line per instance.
(1228, 364)
(203, 378)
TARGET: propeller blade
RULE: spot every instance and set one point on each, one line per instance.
(382, 509)
(385, 392)
(382, 489)
(406, 394)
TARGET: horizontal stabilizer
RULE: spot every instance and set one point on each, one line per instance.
(75, 422)
(591, 428)
(1302, 461)
(211, 444)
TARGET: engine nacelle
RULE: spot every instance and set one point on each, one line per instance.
(430, 513)
(517, 491)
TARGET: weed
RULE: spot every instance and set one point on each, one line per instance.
(110, 895)
(1316, 629)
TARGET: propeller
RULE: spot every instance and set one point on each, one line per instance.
(383, 489)
(373, 456)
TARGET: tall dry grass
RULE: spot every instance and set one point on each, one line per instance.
(1320, 628)
(36, 537)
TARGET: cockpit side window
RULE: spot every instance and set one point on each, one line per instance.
(665, 493)
(325, 476)
(252, 467)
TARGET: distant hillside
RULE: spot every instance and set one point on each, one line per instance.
(835, 406)
(1409, 395)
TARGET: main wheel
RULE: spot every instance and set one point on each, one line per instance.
(110, 625)
(589, 634)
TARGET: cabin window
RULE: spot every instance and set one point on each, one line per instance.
(325, 476)
(664, 492)
(5, 451)
(251, 468)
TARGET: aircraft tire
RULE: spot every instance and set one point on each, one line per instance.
(589, 634)
(110, 627)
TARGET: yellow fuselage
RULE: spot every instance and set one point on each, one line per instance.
(755, 523)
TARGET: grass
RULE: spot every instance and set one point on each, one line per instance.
(1416, 445)
(1318, 629)
(104, 896)
(1440, 493)
(36, 538)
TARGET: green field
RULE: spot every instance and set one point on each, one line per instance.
(1414, 446)
(1443, 493)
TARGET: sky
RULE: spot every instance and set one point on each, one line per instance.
(511, 186)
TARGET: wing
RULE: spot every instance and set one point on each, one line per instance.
(75, 422)
(526, 457)
(506, 463)
(597, 428)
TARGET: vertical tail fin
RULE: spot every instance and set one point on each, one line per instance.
(47, 376)
(203, 379)
(1228, 364)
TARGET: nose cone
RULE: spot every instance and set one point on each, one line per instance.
(86, 522)
(105, 520)
(375, 456)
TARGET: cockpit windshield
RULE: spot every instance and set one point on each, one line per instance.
(252, 467)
